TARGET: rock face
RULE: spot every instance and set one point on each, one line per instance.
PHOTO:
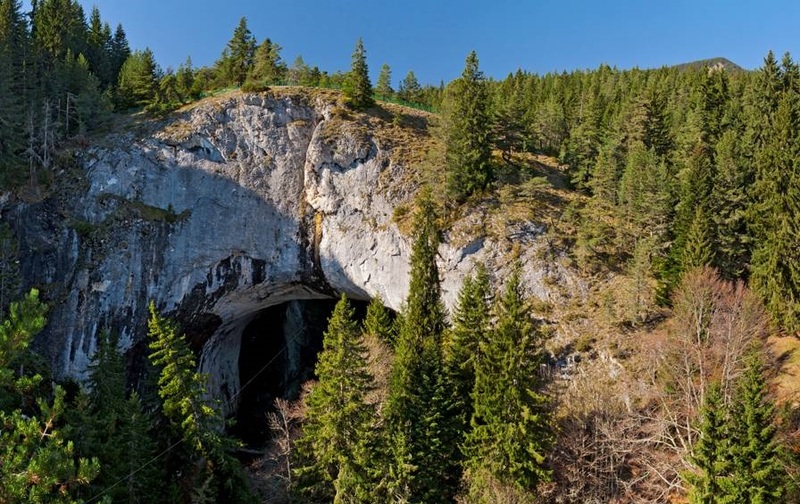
(233, 206)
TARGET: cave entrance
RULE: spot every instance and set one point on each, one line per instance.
(278, 353)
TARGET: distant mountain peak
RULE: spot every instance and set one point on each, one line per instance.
(711, 63)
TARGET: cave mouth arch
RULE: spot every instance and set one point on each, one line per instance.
(278, 352)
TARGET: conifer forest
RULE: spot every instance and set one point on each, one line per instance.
(669, 375)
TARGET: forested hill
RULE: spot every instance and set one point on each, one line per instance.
(665, 372)
(714, 63)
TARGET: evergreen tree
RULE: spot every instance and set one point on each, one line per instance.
(469, 331)
(710, 455)
(423, 450)
(59, 26)
(237, 58)
(384, 86)
(138, 80)
(775, 213)
(511, 428)
(14, 44)
(357, 86)
(192, 416)
(467, 130)
(336, 435)
(268, 67)
(756, 474)
(729, 201)
(98, 42)
(116, 430)
(410, 90)
(699, 247)
(119, 52)
(37, 464)
(378, 322)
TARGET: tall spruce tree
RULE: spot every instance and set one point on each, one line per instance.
(193, 417)
(775, 213)
(357, 86)
(268, 66)
(384, 86)
(711, 454)
(236, 60)
(410, 89)
(336, 441)
(423, 452)
(756, 473)
(511, 431)
(470, 330)
(467, 133)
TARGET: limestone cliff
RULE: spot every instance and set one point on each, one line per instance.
(236, 204)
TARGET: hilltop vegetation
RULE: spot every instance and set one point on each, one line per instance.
(673, 192)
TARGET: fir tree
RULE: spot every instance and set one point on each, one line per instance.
(138, 80)
(37, 463)
(384, 86)
(710, 455)
(336, 436)
(268, 67)
(699, 247)
(467, 131)
(511, 430)
(237, 58)
(756, 474)
(470, 330)
(193, 417)
(358, 88)
(378, 322)
(410, 90)
(775, 213)
(423, 451)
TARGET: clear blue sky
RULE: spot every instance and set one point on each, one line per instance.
(433, 37)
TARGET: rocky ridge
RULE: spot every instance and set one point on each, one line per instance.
(236, 204)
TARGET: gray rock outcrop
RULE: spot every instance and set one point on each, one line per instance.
(237, 204)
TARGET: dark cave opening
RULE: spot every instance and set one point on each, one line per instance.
(278, 353)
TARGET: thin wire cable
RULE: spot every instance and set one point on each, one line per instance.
(176, 443)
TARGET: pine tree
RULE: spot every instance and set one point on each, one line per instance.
(118, 430)
(775, 213)
(511, 430)
(192, 416)
(467, 132)
(698, 249)
(37, 464)
(756, 474)
(420, 421)
(710, 456)
(384, 86)
(357, 86)
(729, 201)
(97, 43)
(336, 436)
(236, 60)
(138, 80)
(268, 67)
(59, 26)
(378, 322)
(182, 388)
(470, 330)
(14, 44)
(119, 52)
(410, 90)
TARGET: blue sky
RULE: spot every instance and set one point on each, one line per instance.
(433, 37)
